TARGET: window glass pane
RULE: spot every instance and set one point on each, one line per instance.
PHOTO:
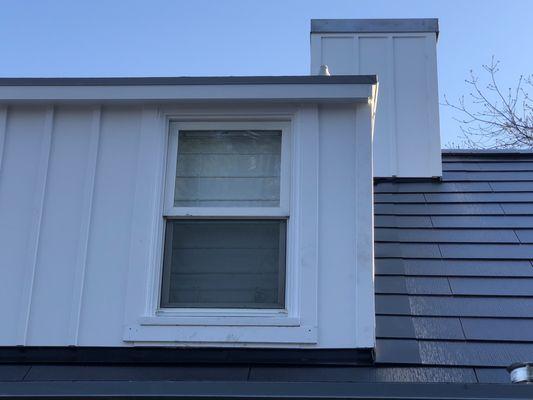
(238, 168)
(224, 264)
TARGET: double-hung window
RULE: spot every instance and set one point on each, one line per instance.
(226, 217)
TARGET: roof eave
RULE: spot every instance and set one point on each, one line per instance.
(347, 88)
(261, 390)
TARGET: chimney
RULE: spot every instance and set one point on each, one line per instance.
(402, 53)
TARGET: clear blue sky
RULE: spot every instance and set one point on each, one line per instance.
(245, 37)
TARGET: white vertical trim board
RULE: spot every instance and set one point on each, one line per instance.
(34, 235)
(433, 116)
(146, 216)
(85, 226)
(305, 210)
(364, 225)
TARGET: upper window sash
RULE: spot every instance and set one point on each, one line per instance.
(170, 210)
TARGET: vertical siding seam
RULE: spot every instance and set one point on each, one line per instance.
(85, 228)
(316, 126)
(34, 239)
(394, 124)
(3, 134)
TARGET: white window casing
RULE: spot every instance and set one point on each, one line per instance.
(297, 322)
(221, 163)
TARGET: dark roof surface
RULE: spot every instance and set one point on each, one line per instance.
(454, 296)
(454, 278)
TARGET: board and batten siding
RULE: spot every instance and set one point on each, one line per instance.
(407, 134)
(65, 174)
(71, 203)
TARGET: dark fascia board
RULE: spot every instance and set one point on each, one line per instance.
(185, 80)
(183, 355)
(407, 25)
(487, 152)
(261, 390)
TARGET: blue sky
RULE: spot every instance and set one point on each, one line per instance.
(239, 37)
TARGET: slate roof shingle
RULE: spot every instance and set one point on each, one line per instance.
(454, 276)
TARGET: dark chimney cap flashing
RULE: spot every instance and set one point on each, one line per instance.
(404, 25)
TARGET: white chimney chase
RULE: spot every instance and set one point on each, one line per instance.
(402, 53)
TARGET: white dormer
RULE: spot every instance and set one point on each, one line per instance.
(222, 212)
(402, 52)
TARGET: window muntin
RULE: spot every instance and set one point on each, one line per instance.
(233, 175)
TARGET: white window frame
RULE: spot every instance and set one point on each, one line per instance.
(261, 212)
(233, 212)
(297, 323)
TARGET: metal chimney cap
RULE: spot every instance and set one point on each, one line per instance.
(521, 372)
(324, 70)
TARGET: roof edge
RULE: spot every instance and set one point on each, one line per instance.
(487, 152)
(186, 80)
(182, 355)
(262, 390)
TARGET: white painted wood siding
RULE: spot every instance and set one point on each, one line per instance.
(76, 197)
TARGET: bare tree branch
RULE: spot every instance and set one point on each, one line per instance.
(494, 119)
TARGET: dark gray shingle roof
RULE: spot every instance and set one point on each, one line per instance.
(454, 277)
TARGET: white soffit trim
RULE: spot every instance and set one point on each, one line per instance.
(348, 88)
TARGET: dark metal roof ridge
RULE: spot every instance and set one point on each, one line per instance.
(186, 80)
(488, 152)
(375, 25)
(406, 179)
(261, 390)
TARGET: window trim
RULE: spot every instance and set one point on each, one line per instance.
(145, 323)
(281, 212)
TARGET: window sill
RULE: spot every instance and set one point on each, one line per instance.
(218, 321)
(231, 335)
(244, 326)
